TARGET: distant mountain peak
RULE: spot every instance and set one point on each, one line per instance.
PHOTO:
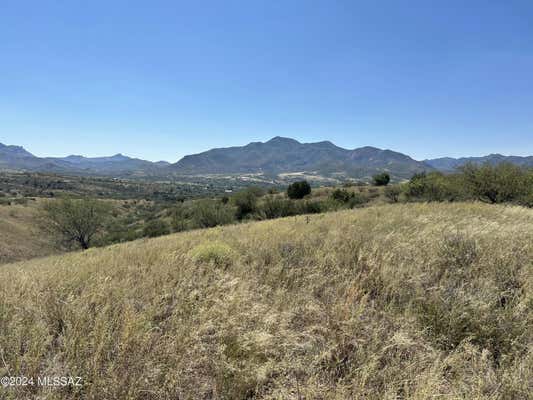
(15, 151)
(283, 140)
(119, 156)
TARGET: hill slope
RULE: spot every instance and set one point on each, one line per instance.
(20, 238)
(399, 301)
(283, 155)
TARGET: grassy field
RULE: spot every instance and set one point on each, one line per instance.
(406, 301)
(20, 237)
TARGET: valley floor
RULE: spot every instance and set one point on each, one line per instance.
(404, 301)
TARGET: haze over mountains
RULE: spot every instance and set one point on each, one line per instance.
(276, 156)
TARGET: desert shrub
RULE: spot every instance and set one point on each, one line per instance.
(276, 207)
(75, 222)
(341, 195)
(209, 213)
(435, 186)
(311, 207)
(180, 216)
(500, 183)
(298, 190)
(156, 227)
(245, 201)
(216, 253)
(381, 179)
(393, 193)
(349, 199)
(526, 200)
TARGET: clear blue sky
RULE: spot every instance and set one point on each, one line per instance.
(161, 79)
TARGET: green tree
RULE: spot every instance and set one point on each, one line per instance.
(381, 179)
(76, 221)
(500, 183)
(298, 190)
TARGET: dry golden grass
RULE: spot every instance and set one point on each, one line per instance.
(414, 301)
(20, 238)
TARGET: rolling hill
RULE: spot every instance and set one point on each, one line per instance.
(400, 301)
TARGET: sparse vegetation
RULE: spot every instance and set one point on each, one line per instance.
(393, 193)
(434, 299)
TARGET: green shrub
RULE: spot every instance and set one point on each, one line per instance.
(209, 213)
(500, 183)
(312, 207)
(341, 195)
(156, 227)
(216, 253)
(350, 199)
(298, 190)
(393, 193)
(381, 179)
(245, 201)
(435, 186)
(276, 207)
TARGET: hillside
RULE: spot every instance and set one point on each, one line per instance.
(406, 301)
(20, 238)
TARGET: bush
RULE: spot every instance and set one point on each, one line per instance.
(180, 216)
(341, 195)
(298, 190)
(156, 227)
(276, 207)
(435, 186)
(498, 183)
(351, 199)
(382, 179)
(393, 193)
(312, 207)
(246, 201)
(216, 253)
(210, 213)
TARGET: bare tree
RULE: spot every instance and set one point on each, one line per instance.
(75, 221)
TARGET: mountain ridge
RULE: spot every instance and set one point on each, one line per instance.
(278, 155)
(450, 164)
(282, 155)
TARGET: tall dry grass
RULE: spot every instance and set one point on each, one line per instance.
(415, 301)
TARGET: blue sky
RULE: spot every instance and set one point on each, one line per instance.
(161, 79)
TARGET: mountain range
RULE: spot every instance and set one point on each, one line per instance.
(449, 164)
(277, 156)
